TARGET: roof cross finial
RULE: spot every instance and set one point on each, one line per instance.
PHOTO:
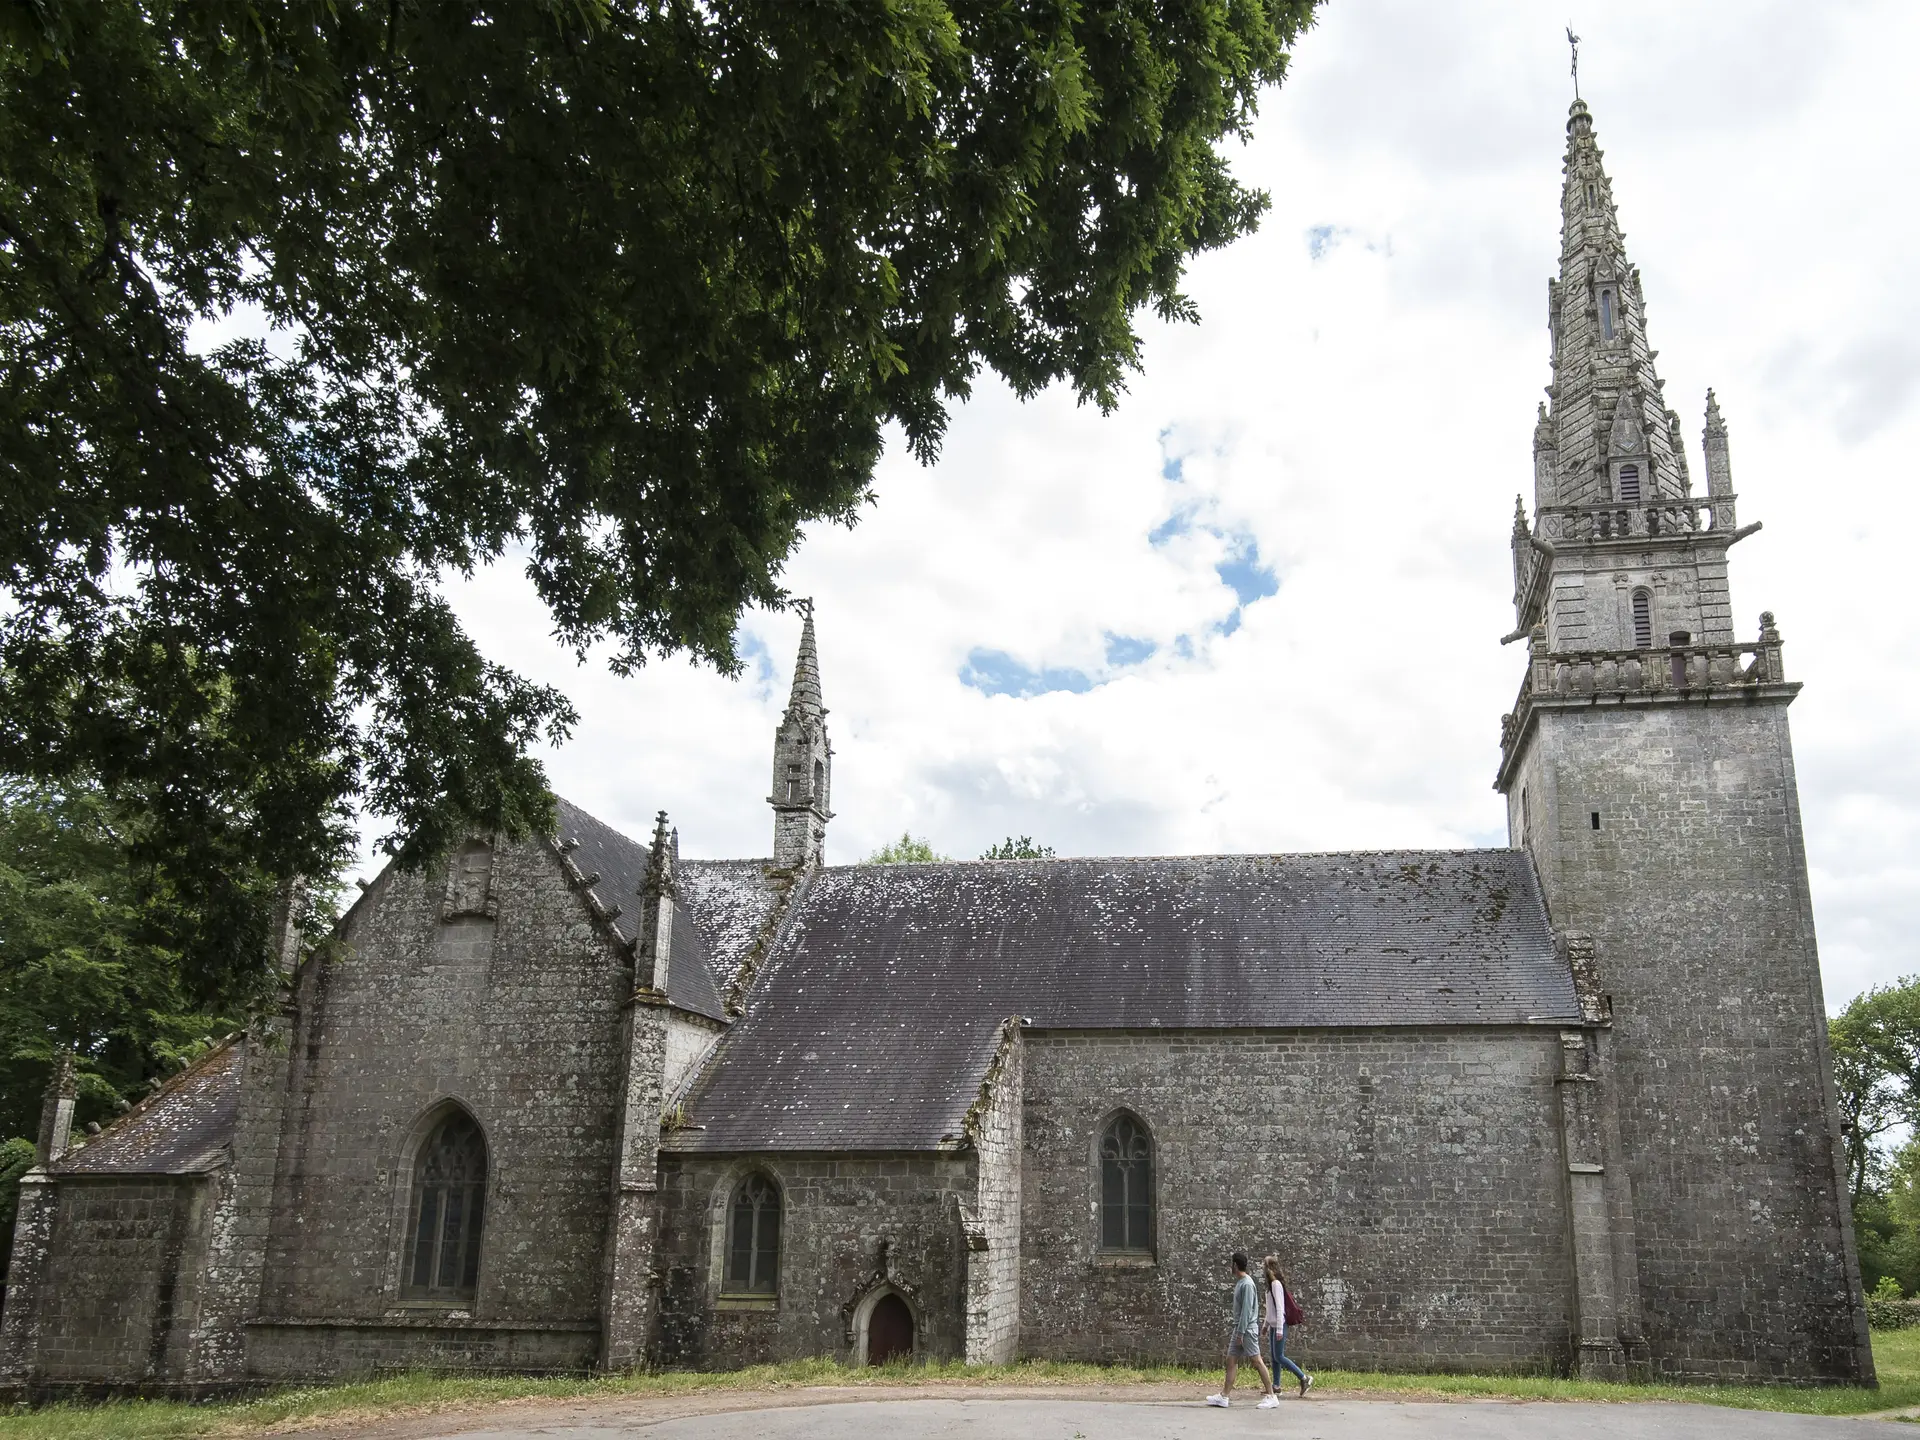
(1573, 44)
(805, 606)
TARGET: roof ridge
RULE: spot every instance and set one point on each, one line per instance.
(1204, 855)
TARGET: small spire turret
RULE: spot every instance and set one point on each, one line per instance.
(802, 762)
(1713, 441)
(660, 890)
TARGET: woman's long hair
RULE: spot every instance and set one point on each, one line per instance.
(1272, 1267)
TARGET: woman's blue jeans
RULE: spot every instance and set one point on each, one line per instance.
(1277, 1343)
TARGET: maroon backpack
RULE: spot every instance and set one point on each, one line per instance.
(1294, 1314)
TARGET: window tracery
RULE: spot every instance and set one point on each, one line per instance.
(1126, 1186)
(753, 1238)
(448, 1213)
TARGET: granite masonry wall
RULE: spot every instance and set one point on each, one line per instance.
(853, 1227)
(1671, 832)
(993, 1216)
(1411, 1180)
(487, 987)
(122, 1276)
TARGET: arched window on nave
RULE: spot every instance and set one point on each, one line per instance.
(1126, 1186)
(448, 1212)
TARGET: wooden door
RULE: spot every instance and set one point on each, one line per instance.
(889, 1331)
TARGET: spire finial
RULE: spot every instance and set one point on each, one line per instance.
(1573, 44)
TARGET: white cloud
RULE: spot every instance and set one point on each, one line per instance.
(1356, 410)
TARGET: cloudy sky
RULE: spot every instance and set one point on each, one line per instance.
(1258, 608)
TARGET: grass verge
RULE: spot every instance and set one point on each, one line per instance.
(1896, 1352)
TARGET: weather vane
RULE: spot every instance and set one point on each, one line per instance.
(1573, 44)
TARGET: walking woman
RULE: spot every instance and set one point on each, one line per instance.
(1276, 1325)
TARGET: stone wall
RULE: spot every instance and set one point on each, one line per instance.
(120, 1280)
(1410, 1180)
(1693, 884)
(852, 1227)
(993, 1216)
(496, 992)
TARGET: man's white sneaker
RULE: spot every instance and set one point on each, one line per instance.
(1219, 1400)
(1272, 1402)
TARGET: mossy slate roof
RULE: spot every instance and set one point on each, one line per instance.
(181, 1129)
(877, 1013)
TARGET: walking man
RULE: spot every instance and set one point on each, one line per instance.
(1244, 1343)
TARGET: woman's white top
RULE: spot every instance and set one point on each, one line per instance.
(1276, 1307)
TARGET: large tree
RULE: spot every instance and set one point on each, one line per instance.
(304, 303)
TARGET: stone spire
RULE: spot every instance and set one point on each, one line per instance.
(802, 763)
(1602, 362)
(1621, 553)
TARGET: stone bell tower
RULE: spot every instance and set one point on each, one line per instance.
(802, 764)
(1648, 770)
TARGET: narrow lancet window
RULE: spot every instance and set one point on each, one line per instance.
(1606, 314)
(449, 1208)
(1642, 620)
(753, 1244)
(1630, 484)
(1126, 1186)
(819, 780)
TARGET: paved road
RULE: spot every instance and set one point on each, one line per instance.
(1037, 1419)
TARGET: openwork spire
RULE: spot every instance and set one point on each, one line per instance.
(1604, 384)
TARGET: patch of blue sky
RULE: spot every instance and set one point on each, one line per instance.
(994, 672)
(1123, 650)
(1170, 465)
(753, 654)
(1245, 575)
(1321, 239)
(1172, 528)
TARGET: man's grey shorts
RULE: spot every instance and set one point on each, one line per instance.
(1244, 1346)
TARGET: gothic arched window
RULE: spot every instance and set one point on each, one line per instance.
(753, 1238)
(449, 1208)
(1126, 1186)
(819, 779)
(1606, 314)
(1630, 484)
(1642, 620)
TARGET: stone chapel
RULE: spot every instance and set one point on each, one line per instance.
(580, 1103)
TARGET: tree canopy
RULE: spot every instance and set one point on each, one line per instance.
(1876, 1059)
(907, 850)
(88, 961)
(1021, 849)
(304, 305)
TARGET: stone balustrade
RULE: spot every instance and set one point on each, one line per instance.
(1678, 670)
(1642, 521)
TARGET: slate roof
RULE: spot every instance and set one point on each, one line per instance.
(876, 1015)
(182, 1129)
(734, 902)
(621, 863)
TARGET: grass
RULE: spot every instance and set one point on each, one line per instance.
(1896, 1353)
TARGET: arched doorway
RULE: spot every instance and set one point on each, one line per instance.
(889, 1331)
